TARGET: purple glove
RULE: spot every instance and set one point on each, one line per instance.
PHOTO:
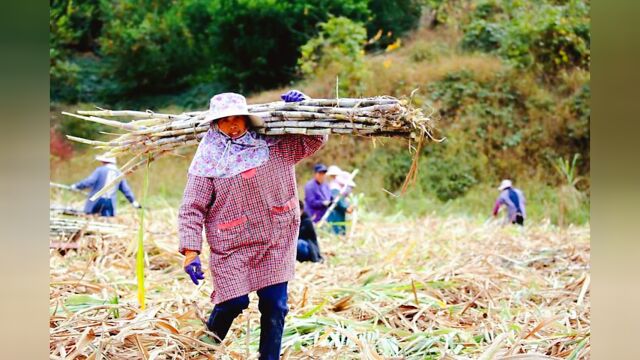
(194, 269)
(293, 96)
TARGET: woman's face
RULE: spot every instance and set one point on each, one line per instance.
(233, 126)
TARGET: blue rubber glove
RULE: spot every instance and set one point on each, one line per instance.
(293, 96)
(193, 267)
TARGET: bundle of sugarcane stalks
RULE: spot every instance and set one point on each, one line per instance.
(61, 227)
(149, 134)
(65, 210)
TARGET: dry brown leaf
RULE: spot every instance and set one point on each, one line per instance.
(165, 325)
(342, 304)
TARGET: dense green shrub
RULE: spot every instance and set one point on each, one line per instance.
(339, 46)
(393, 165)
(142, 48)
(267, 36)
(85, 78)
(450, 175)
(483, 35)
(166, 46)
(546, 36)
(74, 25)
(152, 47)
(447, 170)
(492, 111)
(578, 130)
(493, 118)
(447, 12)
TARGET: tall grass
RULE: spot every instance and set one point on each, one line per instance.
(569, 197)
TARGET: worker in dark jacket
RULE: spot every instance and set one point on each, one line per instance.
(308, 247)
(317, 195)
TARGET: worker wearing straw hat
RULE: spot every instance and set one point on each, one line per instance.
(106, 204)
(340, 187)
(513, 199)
(241, 189)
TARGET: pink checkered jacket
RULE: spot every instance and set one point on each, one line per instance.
(250, 220)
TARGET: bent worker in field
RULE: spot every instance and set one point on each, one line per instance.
(308, 246)
(513, 200)
(241, 188)
(106, 204)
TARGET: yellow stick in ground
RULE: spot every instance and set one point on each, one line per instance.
(140, 253)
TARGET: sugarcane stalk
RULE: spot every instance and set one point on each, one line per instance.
(87, 141)
(128, 113)
(318, 124)
(62, 186)
(286, 115)
(167, 133)
(113, 123)
(191, 123)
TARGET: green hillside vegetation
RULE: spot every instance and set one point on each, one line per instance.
(508, 82)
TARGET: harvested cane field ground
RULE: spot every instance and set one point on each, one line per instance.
(431, 288)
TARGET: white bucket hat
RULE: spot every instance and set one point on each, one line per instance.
(229, 104)
(106, 159)
(506, 183)
(345, 179)
(333, 170)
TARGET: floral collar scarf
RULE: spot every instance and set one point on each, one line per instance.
(219, 156)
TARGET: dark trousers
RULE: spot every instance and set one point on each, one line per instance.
(518, 220)
(273, 308)
(339, 229)
(308, 251)
(103, 206)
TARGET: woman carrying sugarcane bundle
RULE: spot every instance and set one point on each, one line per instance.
(241, 188)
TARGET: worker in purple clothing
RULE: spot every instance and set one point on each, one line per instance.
(514, 200)
(106, 204)
(317, 195)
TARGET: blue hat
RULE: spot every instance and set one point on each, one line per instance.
(320, 168)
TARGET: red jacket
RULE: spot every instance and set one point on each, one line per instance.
(251, 220)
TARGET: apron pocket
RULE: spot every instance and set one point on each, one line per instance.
(230, 225)
(284, 218)
(231, 235)
(277, 210)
